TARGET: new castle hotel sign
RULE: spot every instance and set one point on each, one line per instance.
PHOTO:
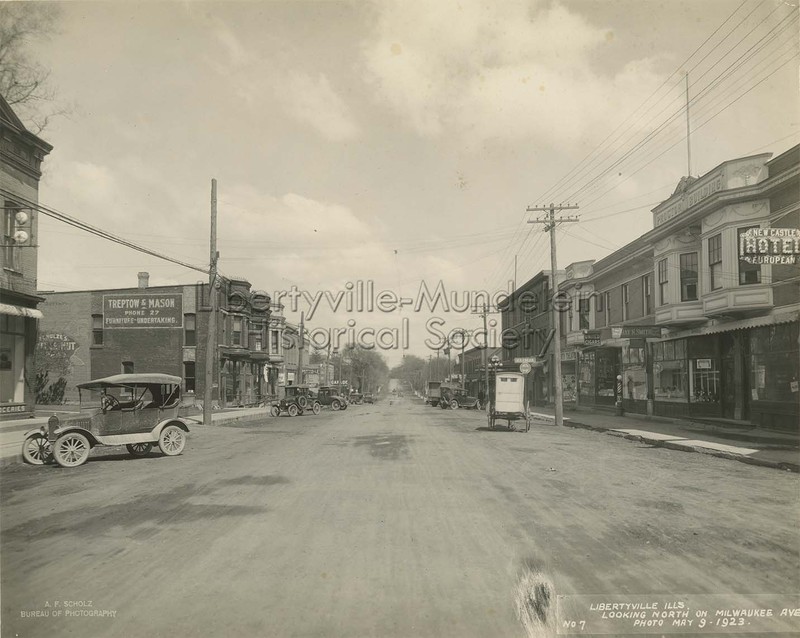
(770, 245)
(143, 311)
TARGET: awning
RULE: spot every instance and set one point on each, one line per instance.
(20, 311)
(740, 324)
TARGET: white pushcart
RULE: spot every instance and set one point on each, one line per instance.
(509, 402)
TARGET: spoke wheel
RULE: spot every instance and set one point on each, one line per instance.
(454, 405)
(37, 450)
(292, 410)
(316, 408)
(275, 410)
(71, 449)
(335, 404)
(139, 449)
(172, 440)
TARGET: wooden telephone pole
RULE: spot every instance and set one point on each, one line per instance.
(550, 223)
(211, 337)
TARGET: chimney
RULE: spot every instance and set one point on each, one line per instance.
(144, 279)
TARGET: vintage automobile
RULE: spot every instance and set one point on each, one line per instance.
(434, 393)
(454, 397)
(134, 410)
(356, 398)
(328, 395)
(296, 400)
(369, 398)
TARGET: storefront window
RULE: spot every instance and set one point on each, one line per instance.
(669, 371)
(12, 359)
(606, 365)
(634, 375)
(774, 363)
(704, 386)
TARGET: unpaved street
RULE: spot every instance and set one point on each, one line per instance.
(384, 520)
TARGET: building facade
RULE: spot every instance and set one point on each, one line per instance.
(21, 156)
(160, 329)
(699, 316)
(527, 325)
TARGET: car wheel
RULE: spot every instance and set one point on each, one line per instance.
(302, 401)
(316, 409)
(172, 440)
(335, 405)
(139, 449)
(275, 410)
(454, 405)
(37, 450)
(292, 410)
(71, 449)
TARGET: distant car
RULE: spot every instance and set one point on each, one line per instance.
(296, 400)
(356, 398)
(369, 398)
(138, 411)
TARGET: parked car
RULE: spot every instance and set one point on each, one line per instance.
(356, 398)
(296, 400)
(434, 393)
(369, 398)
(455, 397)
(138, 411)
(328, 395)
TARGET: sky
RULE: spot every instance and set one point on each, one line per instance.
(392, 142)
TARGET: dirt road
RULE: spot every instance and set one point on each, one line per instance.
(384, 520)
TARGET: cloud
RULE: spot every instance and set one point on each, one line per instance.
(508, 71)
(312, 100)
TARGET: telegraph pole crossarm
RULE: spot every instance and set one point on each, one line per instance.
(550, 222)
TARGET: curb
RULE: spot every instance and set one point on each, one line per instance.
(676, 445)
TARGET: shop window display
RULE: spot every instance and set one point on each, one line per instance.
(669, 371)
(586, 374)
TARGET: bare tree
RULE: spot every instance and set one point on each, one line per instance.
(24, 83)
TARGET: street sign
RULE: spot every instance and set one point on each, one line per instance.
(524, 368)
(524, 359)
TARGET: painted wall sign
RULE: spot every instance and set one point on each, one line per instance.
(770, 246)
(154, 310)
(636, 332)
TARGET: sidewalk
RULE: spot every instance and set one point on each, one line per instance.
(754, 446)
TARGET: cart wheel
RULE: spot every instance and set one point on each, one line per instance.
(71, 449)
(37, 450)
(292, 409)
(316, 408)
(511, 425)
(139, 449)
(172, 440)
(275, 410)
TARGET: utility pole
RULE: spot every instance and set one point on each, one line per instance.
(300, 352)
(550, 223)
(211, 337)
(688, 131)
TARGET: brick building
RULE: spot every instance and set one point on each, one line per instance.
(700, 314)
(21, 156)
(163, 329)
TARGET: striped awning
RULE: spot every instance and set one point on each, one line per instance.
(20, 311)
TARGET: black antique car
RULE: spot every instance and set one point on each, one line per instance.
(328, 395)
(134, 410)
(296, 400)
(454, 397)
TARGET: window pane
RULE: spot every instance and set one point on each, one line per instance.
(748, 273)
(689, 277)
(668, 380)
